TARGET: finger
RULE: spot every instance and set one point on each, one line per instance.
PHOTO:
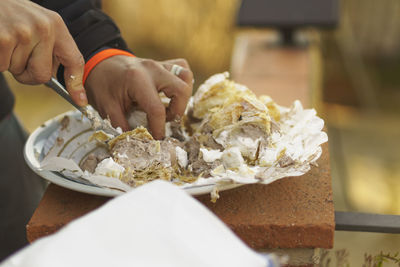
(20, 58)
(185, 74)
(39, 67)
(146, 95)
(7, 46)
(117, 117)
(188, 76)
(176, 89)
(70, 57)
(178, 61)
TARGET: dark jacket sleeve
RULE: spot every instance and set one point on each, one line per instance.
(88, 25)
(91, 29)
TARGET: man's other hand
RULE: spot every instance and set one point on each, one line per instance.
(118, 82)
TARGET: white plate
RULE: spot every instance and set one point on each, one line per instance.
(33, 154)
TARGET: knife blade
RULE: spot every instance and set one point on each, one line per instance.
(88, 111)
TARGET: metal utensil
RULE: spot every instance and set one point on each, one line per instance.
(96, 121)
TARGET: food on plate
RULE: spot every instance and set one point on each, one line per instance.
(227, 134)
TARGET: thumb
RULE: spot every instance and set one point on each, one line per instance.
(67, 53)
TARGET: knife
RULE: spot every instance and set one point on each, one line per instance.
(88, 111)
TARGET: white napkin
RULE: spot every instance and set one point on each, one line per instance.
(156, 224)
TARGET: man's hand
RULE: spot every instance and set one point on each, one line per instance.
(118, 82)
(34, 41)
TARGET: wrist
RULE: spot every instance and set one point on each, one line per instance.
(101, 56)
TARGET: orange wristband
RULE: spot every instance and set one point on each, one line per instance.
(99, 57)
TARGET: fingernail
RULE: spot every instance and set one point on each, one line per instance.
(82, 96)
(82, 99)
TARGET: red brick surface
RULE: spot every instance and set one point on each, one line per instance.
(58, 207)
(294, 212)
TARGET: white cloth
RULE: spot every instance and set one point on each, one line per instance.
(157, 224)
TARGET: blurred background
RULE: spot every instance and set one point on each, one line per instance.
(357, 78)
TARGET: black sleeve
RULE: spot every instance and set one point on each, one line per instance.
(91, 29)
(88, 25)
